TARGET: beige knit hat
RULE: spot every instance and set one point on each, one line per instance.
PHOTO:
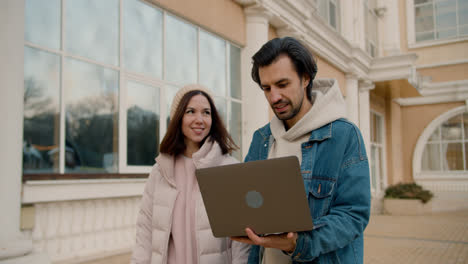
(183, 91)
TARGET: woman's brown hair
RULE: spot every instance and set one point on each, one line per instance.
(173, 142)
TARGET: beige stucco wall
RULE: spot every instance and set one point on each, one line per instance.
(446, 73)
(454, 51)
(415, 120)
(326, 70)
(223, 17)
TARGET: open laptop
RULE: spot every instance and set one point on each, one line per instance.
(267, 196)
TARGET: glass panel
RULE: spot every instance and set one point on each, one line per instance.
(463, 31)
(181, 51)
(435, 135)
(431, 158)
(220, 104)
(373, 168)
(142, 124)
(142, 38)
(213, 63)
(453, 155)
(42, 23)
(443, 34)
(446, 14)
(451, 129)
(422, 1)
(425, 36)
(92, 29)
(91, 126)
(463, 12)
(235, 127)
(41, 111)
(235, 67)
(333, 16)
(424, 18)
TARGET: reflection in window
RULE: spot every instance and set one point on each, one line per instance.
(329, 10)
(235, 125)
(213, 63)
(42, 23)
(235, 76)
(41, 111)
(92, 29)
(142, 38)
(181, 51)
(142, 124)
(440, 19)
(91, 94)
(446, 149)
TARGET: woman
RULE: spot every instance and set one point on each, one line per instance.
(172, 225)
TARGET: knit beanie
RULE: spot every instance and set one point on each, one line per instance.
(183, 91)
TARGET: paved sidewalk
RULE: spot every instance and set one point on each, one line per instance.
(435, 238)
(430, 239)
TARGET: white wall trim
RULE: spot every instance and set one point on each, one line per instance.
(393, 67)
(65, 190)
(441, 64)
(418, 150)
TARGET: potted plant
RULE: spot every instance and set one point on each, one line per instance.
(407, 199)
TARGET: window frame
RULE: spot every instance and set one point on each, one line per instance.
(411, 31)
(125, 75)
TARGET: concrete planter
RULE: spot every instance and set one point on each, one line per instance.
(406, 207)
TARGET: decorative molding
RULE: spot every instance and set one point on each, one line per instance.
(66, 190)
(441, 64)
(394, 68)
(68, 231)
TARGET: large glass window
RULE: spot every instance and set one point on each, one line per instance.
(329, 10)
(440, 19)
(371, 20)
(377, 152)
(100, 77)
(446, 148)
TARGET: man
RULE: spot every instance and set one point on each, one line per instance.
(309, 123)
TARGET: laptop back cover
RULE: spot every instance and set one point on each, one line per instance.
(267, 196)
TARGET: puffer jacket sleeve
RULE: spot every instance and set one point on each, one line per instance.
(240, 252)
(142, 251)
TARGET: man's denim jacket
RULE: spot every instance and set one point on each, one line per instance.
(335, 170)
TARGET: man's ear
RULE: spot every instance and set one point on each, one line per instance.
(305, 80)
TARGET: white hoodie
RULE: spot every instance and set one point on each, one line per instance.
(328, 106)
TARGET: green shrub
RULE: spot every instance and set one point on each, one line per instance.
(408, 191)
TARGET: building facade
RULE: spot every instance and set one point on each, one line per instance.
(86, 88)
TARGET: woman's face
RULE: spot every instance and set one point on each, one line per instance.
(196, 122)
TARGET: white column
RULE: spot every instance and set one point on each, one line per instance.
(364, 113)
(352, 98)
(13, 247)
(254, 105)
(389, 28)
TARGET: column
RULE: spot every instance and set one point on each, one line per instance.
(14, 248)
(389, 29)
(254, 104)
(352, 98)
(364, 112)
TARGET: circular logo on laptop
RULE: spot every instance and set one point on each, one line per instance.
(254, 199)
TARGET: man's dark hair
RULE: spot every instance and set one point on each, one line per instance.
(301, 57)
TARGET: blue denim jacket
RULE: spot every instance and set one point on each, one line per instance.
(335, 170)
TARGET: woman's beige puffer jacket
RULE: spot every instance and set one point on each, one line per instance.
(155, 217)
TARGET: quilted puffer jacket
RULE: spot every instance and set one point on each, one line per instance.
(155, 217)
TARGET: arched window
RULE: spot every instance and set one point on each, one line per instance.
(440, 160)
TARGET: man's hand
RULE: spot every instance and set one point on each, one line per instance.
(285, 241)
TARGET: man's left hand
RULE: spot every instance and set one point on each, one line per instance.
(285, 241)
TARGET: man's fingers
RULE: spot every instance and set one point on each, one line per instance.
(255, 239)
